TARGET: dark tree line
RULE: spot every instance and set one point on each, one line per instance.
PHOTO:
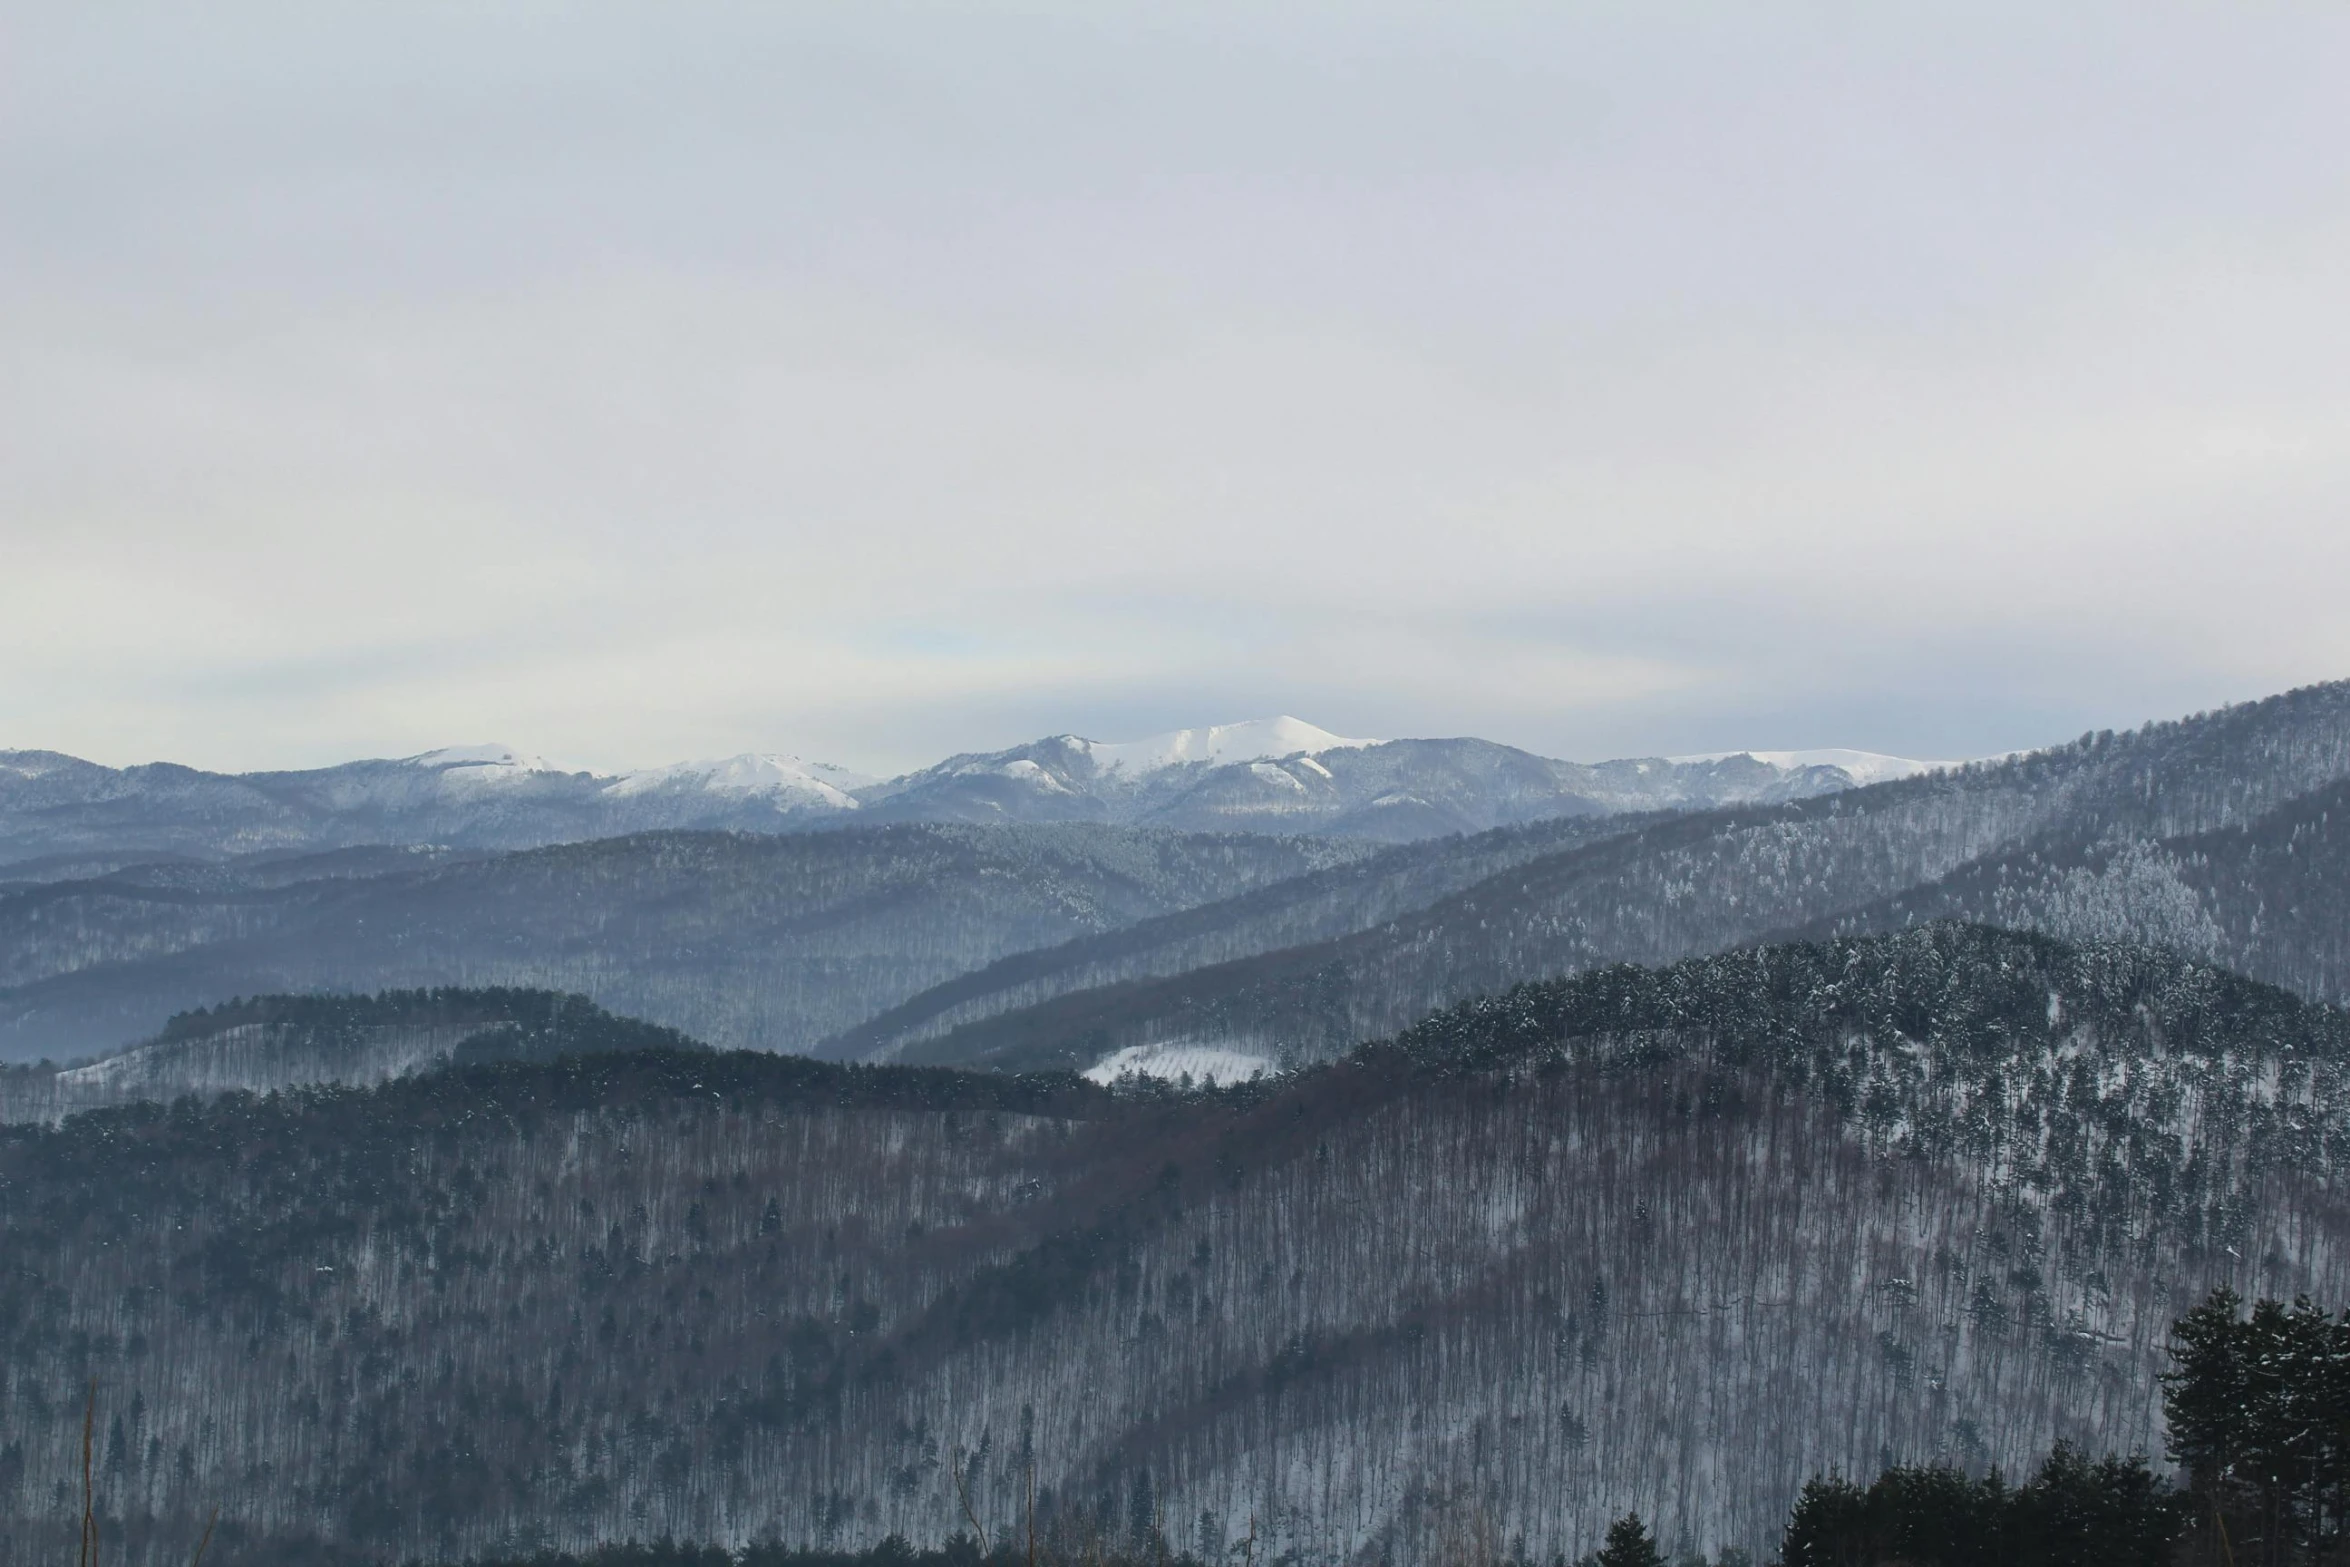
(2076, 1512)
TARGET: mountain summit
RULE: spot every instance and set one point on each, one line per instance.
(1256, 739)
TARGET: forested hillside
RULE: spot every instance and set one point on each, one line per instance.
(2247, 777)
(742, 939)
(2270, 897)
(1668, 1240)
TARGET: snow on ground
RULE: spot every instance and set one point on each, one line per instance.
(1864, 767)
(1275, 775)
(1258, 739)
(1023, 770)
(1170, 1062)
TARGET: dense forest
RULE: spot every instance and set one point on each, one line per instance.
(1664, 1241)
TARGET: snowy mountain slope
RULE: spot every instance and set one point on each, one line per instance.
(784, 779)
(1254, 740)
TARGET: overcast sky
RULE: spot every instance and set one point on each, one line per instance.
(872, 381)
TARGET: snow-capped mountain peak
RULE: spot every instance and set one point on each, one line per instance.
(748, 776)
(486, 755)
(464, 765)
(1256, 739)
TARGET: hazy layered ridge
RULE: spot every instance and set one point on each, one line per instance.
(740, 938)
(1707, 881)
(1308, 908)
(1667, 1240)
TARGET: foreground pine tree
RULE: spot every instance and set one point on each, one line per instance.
(1629, 1545)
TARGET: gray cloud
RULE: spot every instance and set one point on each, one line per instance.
(869, 381)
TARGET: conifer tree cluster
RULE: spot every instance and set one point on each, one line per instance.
(2259, 1414)
(2076, 1512)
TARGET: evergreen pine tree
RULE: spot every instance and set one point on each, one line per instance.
(1628, 1545)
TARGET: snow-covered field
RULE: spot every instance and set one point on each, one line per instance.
(1172, 1063)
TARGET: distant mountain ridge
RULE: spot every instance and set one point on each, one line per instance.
(1279, 775)
(1392, 791)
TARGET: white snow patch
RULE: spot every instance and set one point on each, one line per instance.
(1169, 1062)
(1863, 767)
(1258, 739)
(486, 755)
(1030, 773)
(1276, 775)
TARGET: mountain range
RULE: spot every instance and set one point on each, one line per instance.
(61, 816)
